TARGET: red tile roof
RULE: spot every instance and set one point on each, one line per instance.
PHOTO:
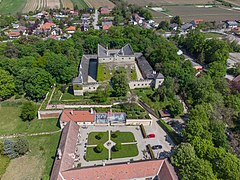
(107, 27)
(141, 169)
(77, 116)
(14, 34)
(48, 25)
(67, 147)
(104, 10)
(71, 28)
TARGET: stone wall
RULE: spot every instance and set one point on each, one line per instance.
(116, 59)
(49, 114)
(137, 122)
(140, 84)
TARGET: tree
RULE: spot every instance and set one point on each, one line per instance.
(9, 149)
(6, 84)
(119, 83)
(99, 148)
(103, 92)
(164, 25)
(21, 146)
(176, 20)
(176, 107)
(28, 111)
(117, 147)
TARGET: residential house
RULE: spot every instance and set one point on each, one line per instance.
(105, 11)
(71, 29)
(231, 24)
(234, 58)
(47, 26)
(196, 22)
(22, 30)
(137, 18)
(186, 27)
(13, 34)
(235, 84)
(15, 25)
(173, 26)
(107, 25)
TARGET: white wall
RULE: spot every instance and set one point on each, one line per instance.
(116, 59)
(140, 84)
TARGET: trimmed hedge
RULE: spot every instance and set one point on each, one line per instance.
(151, 151)
(173, 135)
(143, 131)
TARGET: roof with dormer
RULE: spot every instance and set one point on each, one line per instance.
(124, 51)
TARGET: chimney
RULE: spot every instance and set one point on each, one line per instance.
(154, 72)
(59, 154)
(128, 162)
(91, 111)
(71, 112)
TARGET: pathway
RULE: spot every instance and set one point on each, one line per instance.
(95, 21)
(25, 134)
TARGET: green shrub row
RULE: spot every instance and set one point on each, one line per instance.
(173, 135)
(150, 151)
(143, 131)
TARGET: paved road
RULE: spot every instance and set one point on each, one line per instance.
(95, 21)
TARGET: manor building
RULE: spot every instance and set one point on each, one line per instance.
(96, 69)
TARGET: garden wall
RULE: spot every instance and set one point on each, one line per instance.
(49, 114)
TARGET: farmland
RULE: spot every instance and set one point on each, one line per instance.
(188, 13)
(80, 4)
(12, 6)
(168, 2)
(67, 4)
(99, 3)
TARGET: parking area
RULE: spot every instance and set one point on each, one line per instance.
(161, 138)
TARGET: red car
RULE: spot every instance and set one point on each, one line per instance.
(151, 136)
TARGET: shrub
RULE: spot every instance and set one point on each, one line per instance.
(99, 148)
(117, 147)
(99, 136)
(150, 151)
(143, 131)
(21, 146)
(28, 112)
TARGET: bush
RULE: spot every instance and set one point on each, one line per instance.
(99, 136)
(117, 147)
(21, 146)
(115, 134)
(143, 131)
(28, 112)
(99, 148)
(150, 151)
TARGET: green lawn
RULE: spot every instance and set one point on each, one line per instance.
(45, 102)
(91, 155)
(129, 150)
(93, 141)
(80, 3)
(212, 35)
(4, 161)
(123, 137)
(11, 6)
(11, 123)
(37, 162)
(103, 72)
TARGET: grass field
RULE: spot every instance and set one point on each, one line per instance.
(11, 6)
(11, 123)
(80, 3)
(129, 150)
(123, 137)
(213, 35)
(91, 155)
(38, 162)
(93, 141)
(4, 162)
(99, 3)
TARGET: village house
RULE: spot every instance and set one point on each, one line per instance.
(107, 25)
(13, 34)
(65, 166)
(231, 24)
(235, 83)
(105, 11)
(88, 80)
(137, 18)
(71, 29)
(47, 26)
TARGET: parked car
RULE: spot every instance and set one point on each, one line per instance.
(151, 136)
(157, 147)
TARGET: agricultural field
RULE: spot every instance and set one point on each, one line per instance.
(168, 2)
(234, 2)
(188, 13)
(99, 3)
(11, 6)
(67, 4)
(81, 4)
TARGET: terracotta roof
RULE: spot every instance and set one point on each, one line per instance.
(14, 34)
(141, 169)
(71, 28)
(67, 148)
(106, 27)
(236, 79)
(47, 25)
(105, 10)
(77, 116)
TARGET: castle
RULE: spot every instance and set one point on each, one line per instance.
(98, 68)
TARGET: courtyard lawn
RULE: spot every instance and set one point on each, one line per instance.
(103, 72)
(93, 141)
(128, 150)
(11, 123)
(91, 155)
(38, 162)
(122, 137)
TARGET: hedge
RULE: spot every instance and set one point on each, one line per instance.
(151, 151)
(168, 129)
(143, 131)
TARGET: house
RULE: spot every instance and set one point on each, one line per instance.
(112, 59)
(79, 117)
(22, 30)
(107, 25)
(196, 22)
(105, 11)
(234, 58)
(186, 27)
(164, 114)
(137, 18)
(15, 25)
(13, 34)
(235, 84)
(231, 24)
(173, 26)
(47, 26)
(85, 16)
(65, 163)
(71, 29)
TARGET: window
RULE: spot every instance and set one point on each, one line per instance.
(138, 84)
(134, 85)
(122, 58)
(93, 87)
(89, 88)
(142, 84)
(146, 84)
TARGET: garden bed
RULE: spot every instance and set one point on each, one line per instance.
(122, 137)
(128, 150)
(92, 140)
(92, 155)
